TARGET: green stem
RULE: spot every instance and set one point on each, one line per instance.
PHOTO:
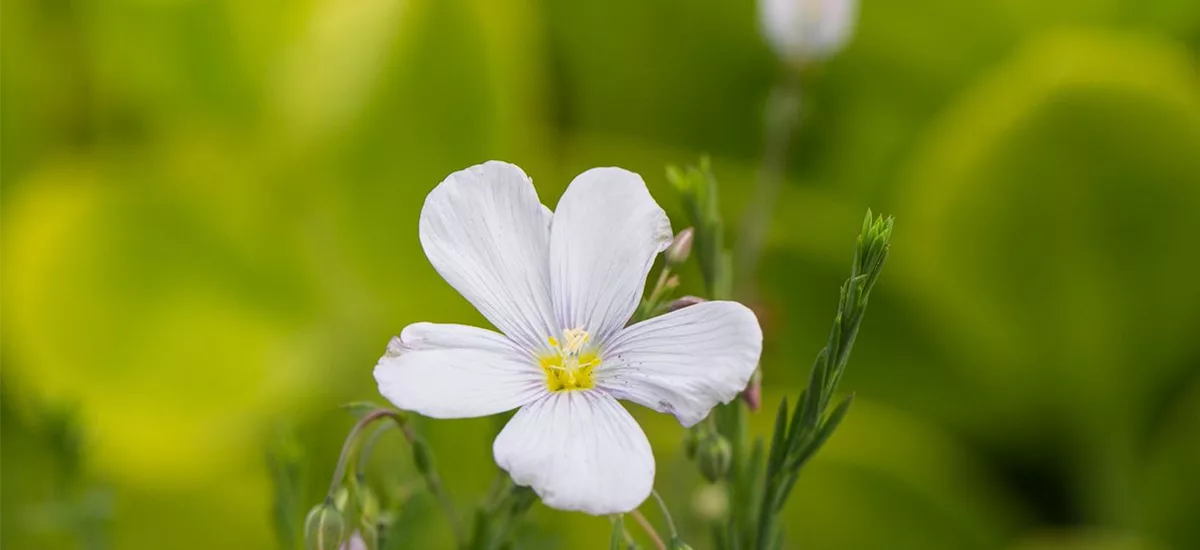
(432, 479)
(340, 471)
(666, 513)
(364, 455)
(782, 115)
(648, 305)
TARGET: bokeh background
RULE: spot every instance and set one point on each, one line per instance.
(209, 213)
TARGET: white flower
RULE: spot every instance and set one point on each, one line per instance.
(561, 287)
(804, 30)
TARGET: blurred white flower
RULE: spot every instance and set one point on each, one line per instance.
(806, 30)
(560, 287)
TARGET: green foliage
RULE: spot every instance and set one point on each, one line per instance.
(794, 442)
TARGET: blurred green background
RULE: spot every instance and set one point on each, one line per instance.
(209, 213)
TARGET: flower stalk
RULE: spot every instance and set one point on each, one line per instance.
(782, 116)
(662, 505)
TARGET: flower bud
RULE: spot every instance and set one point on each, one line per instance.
(324, 528)
(805, 30)
(681, 247)
(714, 455)
(752, 395)
(356, 542)
(685, 302)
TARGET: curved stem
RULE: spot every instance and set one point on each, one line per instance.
(340, 471)
(364, 455)
(432, 480)
(662, 505)
(658, 542)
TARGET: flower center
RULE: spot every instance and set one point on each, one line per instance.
(568, 363)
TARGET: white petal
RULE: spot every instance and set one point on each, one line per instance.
(684, 362)
(605, 235)
(487, 234)
(456, 371)
(579, 451)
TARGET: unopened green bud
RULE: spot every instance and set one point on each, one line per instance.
(422, 456)
(324, 528)
(714, 455)
(681, 247)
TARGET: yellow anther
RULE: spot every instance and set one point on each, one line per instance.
(568, 366)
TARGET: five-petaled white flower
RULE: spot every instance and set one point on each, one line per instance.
(561, 286)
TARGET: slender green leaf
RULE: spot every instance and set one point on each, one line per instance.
(778, 438)
(822, 435)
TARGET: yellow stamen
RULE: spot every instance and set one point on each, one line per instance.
(569, 366)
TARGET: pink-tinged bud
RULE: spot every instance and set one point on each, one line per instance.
(356, 542)
(685, 302)
(752, 395)
(681, 247)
